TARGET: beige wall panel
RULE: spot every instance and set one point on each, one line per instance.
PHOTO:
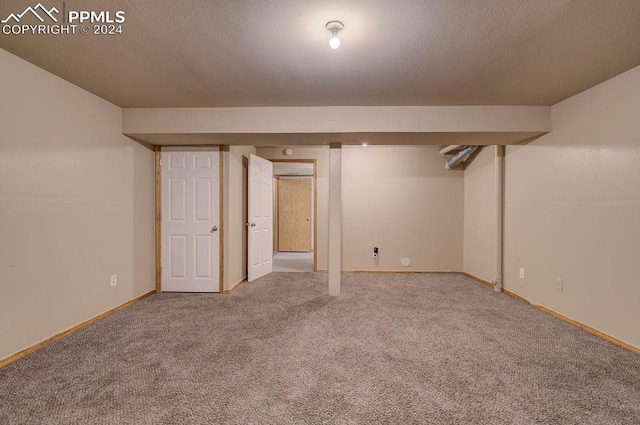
(321, 154)
(143, 216)
(572, 208)
(76, 206)
(402, 200)
(480, 215)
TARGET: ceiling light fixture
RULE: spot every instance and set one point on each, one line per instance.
(334, 27)
(364, 144)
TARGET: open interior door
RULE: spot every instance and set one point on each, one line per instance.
(260, 212)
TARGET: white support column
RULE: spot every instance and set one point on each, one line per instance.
(335, 219)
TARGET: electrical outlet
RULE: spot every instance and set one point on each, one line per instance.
(521, 273)
(559, 284)
(375, 252)
(114, 279)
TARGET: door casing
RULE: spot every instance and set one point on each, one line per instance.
(315, 204)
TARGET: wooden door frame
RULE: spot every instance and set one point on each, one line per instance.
(315, 203)
(158, 213)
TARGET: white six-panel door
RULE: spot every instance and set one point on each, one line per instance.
(190, 220)
(260, 211)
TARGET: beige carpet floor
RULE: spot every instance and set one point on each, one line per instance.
(293, 262)
(392, 349)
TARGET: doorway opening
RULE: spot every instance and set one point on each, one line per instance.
(294, 215)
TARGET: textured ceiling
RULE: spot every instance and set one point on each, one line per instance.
(394, 52)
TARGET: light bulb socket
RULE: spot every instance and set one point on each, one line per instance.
(334, 26)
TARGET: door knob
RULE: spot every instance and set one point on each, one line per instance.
(214, 229)
(253, 224)
(309, 219)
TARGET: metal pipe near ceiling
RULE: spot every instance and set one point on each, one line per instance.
(449, 148)
(460, 157)
(499, 182)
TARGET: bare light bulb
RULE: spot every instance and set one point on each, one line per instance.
(335, 41)
(334, 27)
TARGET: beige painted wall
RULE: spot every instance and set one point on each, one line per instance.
(573, 208)
(404, 201)
(234, 212)
(76, 206)
(480, 215)
(321, 154)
